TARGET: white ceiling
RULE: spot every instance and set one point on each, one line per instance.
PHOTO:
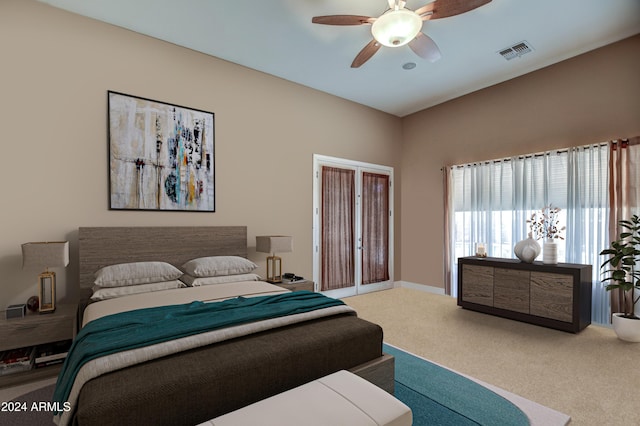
(278, 38)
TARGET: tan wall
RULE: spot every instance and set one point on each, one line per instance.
(56, 70)
(591, 98)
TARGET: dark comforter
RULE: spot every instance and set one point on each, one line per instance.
(144, 327)
(200, 384)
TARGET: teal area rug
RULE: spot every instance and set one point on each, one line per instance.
(438, 396)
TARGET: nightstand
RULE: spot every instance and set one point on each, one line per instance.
(296, 285)
(36, 329)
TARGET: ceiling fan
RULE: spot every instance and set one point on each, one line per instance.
(398, 26)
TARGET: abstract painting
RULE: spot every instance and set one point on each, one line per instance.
(161, 156)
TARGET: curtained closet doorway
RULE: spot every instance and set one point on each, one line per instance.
(352, 226)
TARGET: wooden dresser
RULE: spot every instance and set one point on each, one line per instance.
(555, 296)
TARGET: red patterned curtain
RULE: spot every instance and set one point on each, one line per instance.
(338, 235)
(375, 228)
(624, 193)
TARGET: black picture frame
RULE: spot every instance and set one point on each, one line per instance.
(161, 155)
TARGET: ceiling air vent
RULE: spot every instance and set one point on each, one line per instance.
(516, 50)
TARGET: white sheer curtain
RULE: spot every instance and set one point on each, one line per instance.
(490, 202)
(588, 218)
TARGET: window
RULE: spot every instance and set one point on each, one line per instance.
(490, 202)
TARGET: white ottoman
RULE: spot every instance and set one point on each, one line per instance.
(340, 398)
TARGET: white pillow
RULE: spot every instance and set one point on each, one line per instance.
(135, 273)
(215, 266)
(195, 282)
(104, 293)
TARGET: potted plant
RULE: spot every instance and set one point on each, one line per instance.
(624, 255)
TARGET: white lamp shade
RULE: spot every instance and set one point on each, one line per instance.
(396, 28)
(45, 254)
(274, 244)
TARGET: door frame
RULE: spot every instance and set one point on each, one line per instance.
(359, 167)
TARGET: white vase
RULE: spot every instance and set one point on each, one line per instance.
(527, 250)
(626, 329)
(550, 252)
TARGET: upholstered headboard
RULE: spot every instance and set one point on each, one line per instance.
(102, 246)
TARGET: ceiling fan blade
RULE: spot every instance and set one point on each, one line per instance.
(343, 20)
(425, 47)
(426, 11)
(366, 53)
(447, 8)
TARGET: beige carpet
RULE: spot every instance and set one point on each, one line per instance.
(577, 374)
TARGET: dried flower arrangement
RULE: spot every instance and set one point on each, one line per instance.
(545, 224)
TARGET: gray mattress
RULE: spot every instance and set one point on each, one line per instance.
(200, 384)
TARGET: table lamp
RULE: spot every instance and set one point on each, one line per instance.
(46, 255)
(274, 244)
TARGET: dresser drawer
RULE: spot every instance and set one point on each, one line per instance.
(297, 285)
(35, 329)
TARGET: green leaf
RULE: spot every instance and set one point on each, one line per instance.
(619, 275)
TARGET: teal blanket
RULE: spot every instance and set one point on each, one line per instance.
(144, 327)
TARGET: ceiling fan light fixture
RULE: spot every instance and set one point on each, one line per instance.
(396, 28)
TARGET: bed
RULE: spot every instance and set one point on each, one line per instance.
(222, 375)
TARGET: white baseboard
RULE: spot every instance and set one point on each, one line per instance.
(421, 287)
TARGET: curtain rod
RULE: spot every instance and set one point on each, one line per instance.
(623, 141)
(537, 154)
